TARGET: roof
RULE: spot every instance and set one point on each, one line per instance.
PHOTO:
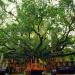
(35, 66)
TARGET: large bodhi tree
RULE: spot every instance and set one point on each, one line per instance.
(39, 28)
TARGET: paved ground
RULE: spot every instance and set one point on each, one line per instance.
(48, 74)
(17, 74)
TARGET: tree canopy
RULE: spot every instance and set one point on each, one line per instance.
(37, 28)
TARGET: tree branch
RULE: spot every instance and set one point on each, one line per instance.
(7, 47)
(63, 41)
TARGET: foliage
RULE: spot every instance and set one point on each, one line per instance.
(38, 29)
